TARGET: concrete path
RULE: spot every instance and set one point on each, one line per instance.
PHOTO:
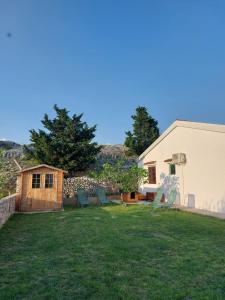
(202, 212)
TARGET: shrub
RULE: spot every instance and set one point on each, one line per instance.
(125, 179)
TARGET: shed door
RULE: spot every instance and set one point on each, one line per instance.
(41, 191)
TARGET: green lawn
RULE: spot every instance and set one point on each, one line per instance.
(114, 252)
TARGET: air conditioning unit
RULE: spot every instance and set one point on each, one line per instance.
(179, 158)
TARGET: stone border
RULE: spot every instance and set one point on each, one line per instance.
(7, 208)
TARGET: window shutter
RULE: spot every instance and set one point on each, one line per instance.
(172, 169)
(152, 175)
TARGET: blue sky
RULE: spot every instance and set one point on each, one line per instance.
(104, 58)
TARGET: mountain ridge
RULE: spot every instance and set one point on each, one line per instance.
(112, 151)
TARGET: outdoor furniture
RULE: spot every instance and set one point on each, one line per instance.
(101, 195)
(157, 201)
(82, 198)
(171, 199)
(169, 203)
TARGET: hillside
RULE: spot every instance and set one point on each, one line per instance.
(8, 145)
(109, 153)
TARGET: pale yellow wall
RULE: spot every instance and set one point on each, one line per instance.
(204, 173)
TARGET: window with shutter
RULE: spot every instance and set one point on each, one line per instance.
(152, 175)
(172, 169)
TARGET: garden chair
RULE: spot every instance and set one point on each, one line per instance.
(101, 195)
(157, 201)
(171, 199)
(82, 198)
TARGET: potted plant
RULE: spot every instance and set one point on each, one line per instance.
(131, 180)
(125, 179)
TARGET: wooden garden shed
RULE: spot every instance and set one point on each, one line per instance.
(40, 188)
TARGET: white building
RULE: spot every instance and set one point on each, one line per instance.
(189, 157)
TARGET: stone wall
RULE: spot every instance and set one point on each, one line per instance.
(7, 208)
(71, 185)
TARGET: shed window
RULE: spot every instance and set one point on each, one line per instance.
(49, 181)
(152, 175)
(36, 181)
(172, 169)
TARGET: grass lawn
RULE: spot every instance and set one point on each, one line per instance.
(113, 252)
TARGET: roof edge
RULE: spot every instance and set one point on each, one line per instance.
(41, 166)
(186, 124)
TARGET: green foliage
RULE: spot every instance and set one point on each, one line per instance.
(67, 144)
(126, 179)
(132, 179)
(1, 160)
(9, 171)
(145, 131)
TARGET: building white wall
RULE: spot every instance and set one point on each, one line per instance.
(203, 175)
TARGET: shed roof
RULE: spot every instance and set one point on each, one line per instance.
(41, 166)
(187, 124)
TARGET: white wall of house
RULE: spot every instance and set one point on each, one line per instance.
(202, 178)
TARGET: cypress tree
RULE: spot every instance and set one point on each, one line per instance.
(66, 144)
(145, 131)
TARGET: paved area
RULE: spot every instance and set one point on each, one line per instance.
(116, 201)
(203, 212)
(142, 202)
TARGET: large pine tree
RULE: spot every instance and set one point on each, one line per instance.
(145, 131)
(66, 144)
